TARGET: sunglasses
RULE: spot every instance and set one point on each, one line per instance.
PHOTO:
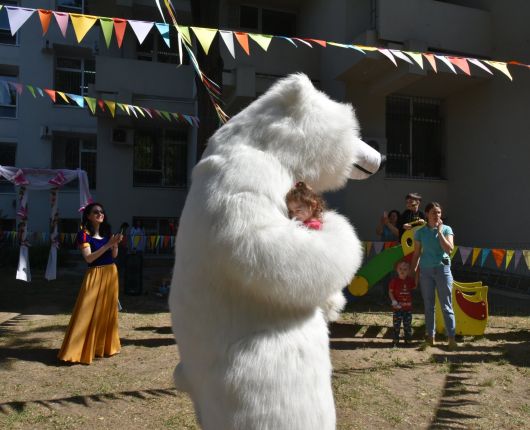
(98, 212)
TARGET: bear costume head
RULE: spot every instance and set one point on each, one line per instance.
(252, 289)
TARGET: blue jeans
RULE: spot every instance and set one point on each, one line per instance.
(438, 279)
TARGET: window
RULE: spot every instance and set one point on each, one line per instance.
(5, 30)
(267, 21)
(8, 152)
(154, 48)
(414, 131)
(75, 152)
(8, 97)
(75, 6)
(73, 75)
(160, 158)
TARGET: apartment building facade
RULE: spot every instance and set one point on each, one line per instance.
(459, 140)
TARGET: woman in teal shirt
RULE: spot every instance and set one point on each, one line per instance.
(433, 245)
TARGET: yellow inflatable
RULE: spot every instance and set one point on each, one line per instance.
(470, 304)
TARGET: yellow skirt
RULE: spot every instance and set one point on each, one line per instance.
(93, 328)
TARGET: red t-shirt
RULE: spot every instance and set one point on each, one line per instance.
(402, 291)
(313, 224)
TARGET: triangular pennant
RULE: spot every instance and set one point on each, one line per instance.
(188, 118)
(388, 54)
(432, 61)
(261, 40)
(148, 112)
(101, 105)
(453, 252)
(476, 252)
(320, 42)
(166, 115)
(509, 256)
(518, 254)
(119, 29)
(444, 59)
(368, 248)
(293, 43)
(526, 254)
(126, 108)
(51, 94)
(485, 253)
(78, 99)
(130, 108)
(242, 38)
(461, 63)
(205, 37)
(378, 247)
(185, 33)
(39, 90)
(228, 39)
(498, 256)
(479, 64)
(62, 21)
(63, 96)
(81, 24)
(91, 102)
(31, 90)
(17, 16)
(464, 253)
(502, 67)
(400, 55)
(141, 29)
(112, 107)
(107, 26)
(303, 41)
(120, 105)
(417, 57)
(17, 86)
(365, 48)
(163, 29)
(338, 45)
(356, 48)
(140, 111)
(45, 19)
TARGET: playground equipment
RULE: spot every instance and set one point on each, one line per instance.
(470, 300)
(470, 305)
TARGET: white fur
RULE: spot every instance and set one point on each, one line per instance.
(250, 286)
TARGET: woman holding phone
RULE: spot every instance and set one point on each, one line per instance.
(93, 328)
(433, 244)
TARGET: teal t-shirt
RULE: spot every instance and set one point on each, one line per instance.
(431, 251)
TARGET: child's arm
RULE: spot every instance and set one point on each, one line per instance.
(391, 295)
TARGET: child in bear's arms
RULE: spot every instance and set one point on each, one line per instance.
(305, 205)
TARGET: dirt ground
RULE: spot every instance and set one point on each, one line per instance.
(485, 384)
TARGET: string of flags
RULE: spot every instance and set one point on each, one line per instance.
(93, 103)
(68, 240)
(479, 256)
(18, 16)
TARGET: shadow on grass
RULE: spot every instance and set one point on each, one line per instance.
(159, 330)
(45, 356)
(149, 343)
(20, 406)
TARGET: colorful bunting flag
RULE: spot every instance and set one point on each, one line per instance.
(17, 16)
(509, 255)
(63, 96)
(91, 102)
(141, 29)
(185, 33)
(107, 26)
(242, 38)
(119, 29)
(45, 19)
(62, 21)
(526, 254)
(205, 37)
(453, 252)
(81, 24)
(485, 253)
(31, 90)
(261, 40)
(464, 253)
(461, 63)
(318, 41)
(498, 256)
(476, 252)
(388, 54)
(51, 94)
(444, 60)
(368, 248)
(78, 99)
(228, 39)
(502, 67)
(163, 29)
(401, 56)
(518, 254)
(378, 247)
(479, 64)
(432, 61)
(417, 57)
(112, 107)
(296, 46)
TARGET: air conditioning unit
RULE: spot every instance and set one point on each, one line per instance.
(120, 136)
(378, 143)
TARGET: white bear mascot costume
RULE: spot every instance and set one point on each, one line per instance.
(251, 288)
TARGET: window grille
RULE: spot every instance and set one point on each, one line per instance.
(415, 132)
(8, 97)
(73, 75)
(8, 152)
(76, 6)
(76, 152)
(5, 31)
(160, 158)
(267, 21)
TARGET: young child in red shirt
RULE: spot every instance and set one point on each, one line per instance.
(305, 205)
(400, 292)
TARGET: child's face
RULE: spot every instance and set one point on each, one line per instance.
(299, 210)
(403, 270)
(413, 204)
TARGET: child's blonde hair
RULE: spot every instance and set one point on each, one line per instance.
(303, 193)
